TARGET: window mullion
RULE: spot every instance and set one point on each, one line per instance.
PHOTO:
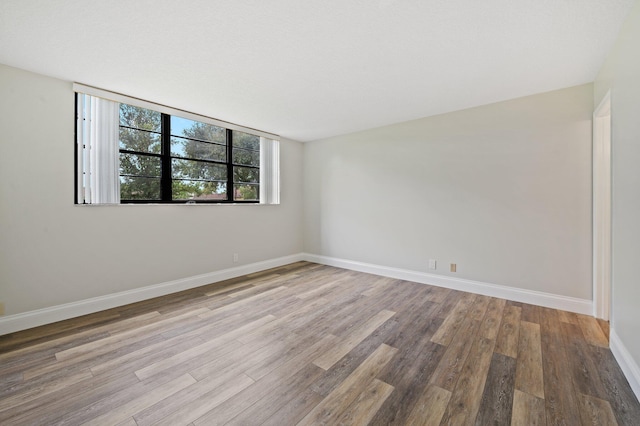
(165, 180)
(230, 192)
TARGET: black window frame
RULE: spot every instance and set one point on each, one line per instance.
(167, 179)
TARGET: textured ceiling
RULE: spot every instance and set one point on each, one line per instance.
(309, 69)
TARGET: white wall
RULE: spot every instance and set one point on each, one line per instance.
(621, 75)
(53, 252)
(502, 190)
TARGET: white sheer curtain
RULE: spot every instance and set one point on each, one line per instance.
(269, 171)
(98, 155)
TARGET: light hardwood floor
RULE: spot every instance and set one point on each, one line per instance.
(309, 344)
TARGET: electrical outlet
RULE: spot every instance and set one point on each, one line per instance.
(432, 264)
(1, 308)
(453, 267)
(235, 257)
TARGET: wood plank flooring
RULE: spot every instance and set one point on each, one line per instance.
(308, 344)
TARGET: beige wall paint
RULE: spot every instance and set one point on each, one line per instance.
(53, 252)
(503, 191)
(621, 75)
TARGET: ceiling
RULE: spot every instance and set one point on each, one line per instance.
(311, 69)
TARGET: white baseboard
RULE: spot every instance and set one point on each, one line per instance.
(23, 321)
(548, 300)
(628, 365)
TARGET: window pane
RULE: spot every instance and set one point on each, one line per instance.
(140, 118)
(198, 170)
(199, 190)
(246, 175)
(246, 157)
(197, 130)
(139, 165)
(245, 140)
(139, 188)
(140, 140)
(182, 147)
(246, 192)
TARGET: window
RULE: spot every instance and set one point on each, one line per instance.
(140, 148)
(137, 154)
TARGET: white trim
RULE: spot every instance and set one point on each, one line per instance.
(124, 99)
(601, 190)
(628, 365)
(23, 321)
(566, 303)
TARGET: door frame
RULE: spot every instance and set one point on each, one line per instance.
(602, 193)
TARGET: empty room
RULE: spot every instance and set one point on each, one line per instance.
(319, 212)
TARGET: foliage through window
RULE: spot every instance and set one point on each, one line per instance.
(167, 158)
